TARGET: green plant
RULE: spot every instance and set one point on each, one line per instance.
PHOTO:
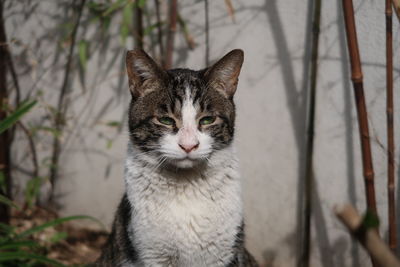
(18, 248)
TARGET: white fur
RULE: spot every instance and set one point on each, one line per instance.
(184, 219)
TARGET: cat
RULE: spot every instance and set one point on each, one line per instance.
(182, 205)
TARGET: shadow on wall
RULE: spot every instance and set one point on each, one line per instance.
(296, 98)
(49, 47)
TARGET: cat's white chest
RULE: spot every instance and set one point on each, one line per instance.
(191, 226)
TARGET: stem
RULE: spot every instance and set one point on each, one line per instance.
(305, 259)
(173, 14)
(139, 27)
(207, 32)
(390, 128)
(32, 148)
(5, 142)
(62, 105)
(159, 32)
(357, 78)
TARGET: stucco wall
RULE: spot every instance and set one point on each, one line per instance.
(271, 106)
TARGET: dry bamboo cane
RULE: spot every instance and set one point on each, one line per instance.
(390, 128)
(173, 17)
(377, 249)
(357, 78)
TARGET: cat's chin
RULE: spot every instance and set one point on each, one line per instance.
(185, 163)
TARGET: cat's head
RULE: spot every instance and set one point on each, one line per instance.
(181, 116)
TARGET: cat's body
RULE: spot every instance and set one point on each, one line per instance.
(182, 205)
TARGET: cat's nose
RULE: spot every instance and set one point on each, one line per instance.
(189, 147)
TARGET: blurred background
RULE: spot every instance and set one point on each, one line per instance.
(67, 153)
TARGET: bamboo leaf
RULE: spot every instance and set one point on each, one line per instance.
(18, 244)
(6, 229)
(83, 52)
(8, 202)
(16, 115)
(53, 223)
(141, 3)
(114, 6)
(7, 256)
(113, 124)
(150, 28)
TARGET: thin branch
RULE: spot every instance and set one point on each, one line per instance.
(32, 149)
(207, 32)
(305, 259)
(61, 105)
(188, 37)
(390, 128)
(159, 32)
(173, 16)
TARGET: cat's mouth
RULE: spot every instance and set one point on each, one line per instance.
(186, 162)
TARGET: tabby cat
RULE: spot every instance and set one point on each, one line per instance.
(182, 205)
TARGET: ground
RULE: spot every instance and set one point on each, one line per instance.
(67, 243)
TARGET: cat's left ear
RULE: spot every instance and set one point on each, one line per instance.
(224, 75)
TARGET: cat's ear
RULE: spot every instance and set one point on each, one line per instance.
(224, 74)
(142, 71)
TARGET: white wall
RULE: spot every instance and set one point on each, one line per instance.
(271, 106)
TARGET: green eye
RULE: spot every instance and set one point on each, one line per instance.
(207, 120)
(166, 120)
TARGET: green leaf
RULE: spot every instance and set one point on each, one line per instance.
(18, 244)
(370, 220)
(109, 143)
(53, 131)
(57, 237)
(114, 124)
(6, 229)
(8, 202)
(16, 115)
(83, 53)
(150, 28)
(114, 6)
(32, 190)
(124, 32)
(53, 223)
(7, 256)
(3, 187)
(141, 3)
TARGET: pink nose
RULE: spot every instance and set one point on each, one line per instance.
(189, 147)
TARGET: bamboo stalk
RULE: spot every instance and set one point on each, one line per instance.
(62, 107)
(173, 15)
(368, 237)
(139, 32)
(305, 257)
(390, 128)
(5, 136)
(357, 78)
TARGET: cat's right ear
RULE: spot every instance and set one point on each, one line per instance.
(143, 73)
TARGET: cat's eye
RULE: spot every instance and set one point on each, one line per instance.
(207, 120)
(167, 121)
